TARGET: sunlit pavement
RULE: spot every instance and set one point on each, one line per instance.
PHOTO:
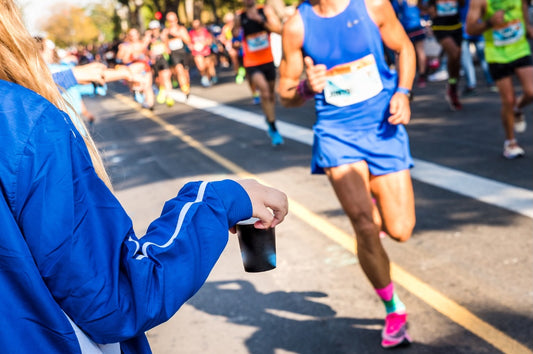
(466, 275)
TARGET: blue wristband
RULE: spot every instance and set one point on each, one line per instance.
(405, 91)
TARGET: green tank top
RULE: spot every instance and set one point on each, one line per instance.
(506, 43)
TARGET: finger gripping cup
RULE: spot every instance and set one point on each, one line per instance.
(258, 246)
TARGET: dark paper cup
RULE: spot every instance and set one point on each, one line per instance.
(258, 246)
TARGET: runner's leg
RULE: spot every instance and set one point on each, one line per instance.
(508, 99)
(266, 90)
(395, 200)
(525, 75)
(352, 187)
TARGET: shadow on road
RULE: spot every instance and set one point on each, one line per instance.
(293, 321)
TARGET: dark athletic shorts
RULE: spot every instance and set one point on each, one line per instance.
(160, 64)
(500, 71)
(179, 57)
(416, 34)
(268, 69)
(457, 35)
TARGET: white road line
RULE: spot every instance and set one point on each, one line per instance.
(503, 195)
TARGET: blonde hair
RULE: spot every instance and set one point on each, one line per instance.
(22, 63)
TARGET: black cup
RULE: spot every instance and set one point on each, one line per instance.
(258, 246)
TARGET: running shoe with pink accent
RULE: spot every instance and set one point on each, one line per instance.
(395, 331)
(452, 98)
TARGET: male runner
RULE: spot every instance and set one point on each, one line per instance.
(359, 138)
(133, 53)
(159, 54)
(504, 24)
(256, 23)
(177, 39)
(448, 30)
(201, 41)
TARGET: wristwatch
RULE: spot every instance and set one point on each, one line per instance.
(406, 92)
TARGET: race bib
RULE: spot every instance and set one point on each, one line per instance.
(158, 48)
(446, 8)
(257, 41)
(353, 82)
(510, 33)
(199, 46)
(175, 44)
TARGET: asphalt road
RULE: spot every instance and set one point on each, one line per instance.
(466, 275)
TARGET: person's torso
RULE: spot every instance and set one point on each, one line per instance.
(359, 82)
(506, 43)
(409, 14)
(175, 40)
(447, 15)
(136, 52)
(256, 41)
(157, 47)
(200, 41)
(35, 318)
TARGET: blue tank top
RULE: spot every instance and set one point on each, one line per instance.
(360, 84)
(408, 13)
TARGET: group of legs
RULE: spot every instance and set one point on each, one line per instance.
(512, 116)
(458, 56)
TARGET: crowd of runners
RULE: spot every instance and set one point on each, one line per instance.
(162, 56)
(362, 90)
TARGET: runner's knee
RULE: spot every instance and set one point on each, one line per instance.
(363, 223)
(400, 230)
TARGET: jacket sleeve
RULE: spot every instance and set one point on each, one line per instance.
(112, 284)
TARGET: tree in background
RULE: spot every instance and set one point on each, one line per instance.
(71, 25)
(99, 22)
(104, 16)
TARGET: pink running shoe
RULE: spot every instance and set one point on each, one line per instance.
(395, 331)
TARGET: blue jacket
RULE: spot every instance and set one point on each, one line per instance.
(72, 271)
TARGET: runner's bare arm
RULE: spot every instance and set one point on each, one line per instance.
(164, 36)
(474, 25)
(292, 63)
(273, 23)
(395, 38)
(185, 37)
(529, 25)
(236, 25)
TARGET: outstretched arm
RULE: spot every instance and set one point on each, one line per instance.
(112, 284)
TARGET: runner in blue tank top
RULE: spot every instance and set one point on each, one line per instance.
(360, 141)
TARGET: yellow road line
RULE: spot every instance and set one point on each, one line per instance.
(449, 308)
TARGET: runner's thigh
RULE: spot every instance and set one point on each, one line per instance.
(395, 199)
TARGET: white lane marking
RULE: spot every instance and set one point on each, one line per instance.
(503, 195)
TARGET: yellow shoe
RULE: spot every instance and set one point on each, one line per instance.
(161, 96)
(170, 101)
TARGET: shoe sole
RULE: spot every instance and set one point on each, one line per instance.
(404, 343)
(513, 157)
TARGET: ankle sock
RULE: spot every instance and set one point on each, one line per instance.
(390, 299)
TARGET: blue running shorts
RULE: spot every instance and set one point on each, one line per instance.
(385, 148)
